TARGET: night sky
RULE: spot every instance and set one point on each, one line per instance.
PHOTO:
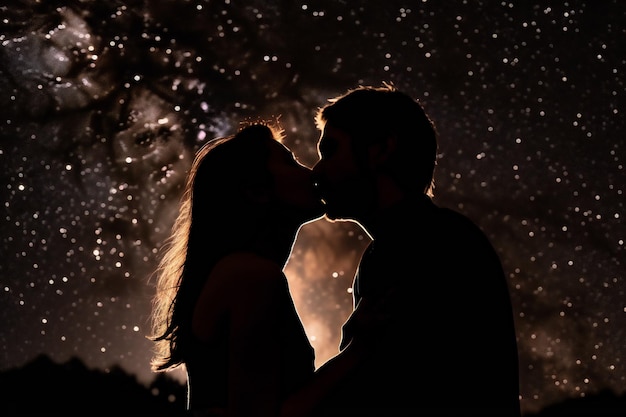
(104, 103)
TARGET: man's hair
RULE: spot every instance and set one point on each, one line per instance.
(372, 114)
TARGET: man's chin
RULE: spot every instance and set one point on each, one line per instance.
(336, 218)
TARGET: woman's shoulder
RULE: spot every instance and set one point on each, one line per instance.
(246, 275)
(247, 266)
(239, 283)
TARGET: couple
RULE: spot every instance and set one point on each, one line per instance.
(432, 331)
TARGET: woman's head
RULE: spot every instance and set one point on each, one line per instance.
(244, 182)
(222, 183)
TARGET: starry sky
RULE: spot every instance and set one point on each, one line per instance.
(104, 103)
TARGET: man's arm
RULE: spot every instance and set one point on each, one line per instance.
(369, 322)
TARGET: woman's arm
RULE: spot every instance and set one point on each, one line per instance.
(326, 378)
(370, 322)
(255, 354)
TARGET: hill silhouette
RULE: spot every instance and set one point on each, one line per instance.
(43, 388)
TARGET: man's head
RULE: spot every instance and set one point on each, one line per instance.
(373, 137)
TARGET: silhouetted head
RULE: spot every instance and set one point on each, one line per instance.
(248, 182)
(368, 132)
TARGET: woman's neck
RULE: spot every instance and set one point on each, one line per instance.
(276, 242)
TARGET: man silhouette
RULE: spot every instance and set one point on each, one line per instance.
(447, 345)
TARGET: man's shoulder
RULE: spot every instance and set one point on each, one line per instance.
(430, 229)
(456, 218)
(428, 216)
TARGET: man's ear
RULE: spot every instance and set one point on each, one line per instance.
(382, 152)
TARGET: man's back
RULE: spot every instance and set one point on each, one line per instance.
(449, 347)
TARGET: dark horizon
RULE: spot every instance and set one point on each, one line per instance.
(71, 389)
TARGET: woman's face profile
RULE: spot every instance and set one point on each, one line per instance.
(293, 184)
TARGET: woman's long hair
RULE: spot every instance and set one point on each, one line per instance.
(215, 218)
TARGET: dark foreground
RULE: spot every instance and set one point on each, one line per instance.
(44, 388)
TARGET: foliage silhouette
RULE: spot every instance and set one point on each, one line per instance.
(45, 388)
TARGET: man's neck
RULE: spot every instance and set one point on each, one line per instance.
(395, 212)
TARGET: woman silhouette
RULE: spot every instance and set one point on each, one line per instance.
(222, 307)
